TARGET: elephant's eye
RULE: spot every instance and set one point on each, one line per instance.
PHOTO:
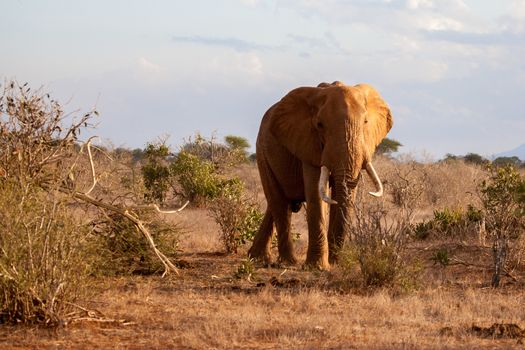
(319, 125)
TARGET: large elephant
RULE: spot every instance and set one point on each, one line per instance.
(315, 137)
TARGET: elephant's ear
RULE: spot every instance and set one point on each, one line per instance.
(292, 123)
(379, 117)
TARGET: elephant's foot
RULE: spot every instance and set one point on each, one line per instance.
(333, 258)
(260, 255)
(287, 259)
(319, 262)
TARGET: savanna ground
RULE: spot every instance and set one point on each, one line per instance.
(207, 306)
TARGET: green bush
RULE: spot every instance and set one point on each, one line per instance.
(237, 215)
(196, 177)
(441, 257)
(449, 222)
(503, 198)
(156, 172)
(422, 230)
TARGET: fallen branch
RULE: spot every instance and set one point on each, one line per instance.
(168, 265)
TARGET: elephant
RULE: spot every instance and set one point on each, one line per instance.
(312, 139)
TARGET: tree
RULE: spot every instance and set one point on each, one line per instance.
(238, 147)
(505, 161)
(475, 158)
(388, 146)
(449, 157)
(236, 142)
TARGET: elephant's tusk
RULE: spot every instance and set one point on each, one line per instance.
(377, 182)
(323, 183)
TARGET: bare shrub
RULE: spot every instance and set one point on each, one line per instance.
(377, 246)
(35, 146)
(453, 184)
(414, 185)
(43, 257)
(406, 183)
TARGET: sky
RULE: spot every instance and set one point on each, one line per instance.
(452, 71)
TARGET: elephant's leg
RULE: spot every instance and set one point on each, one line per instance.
(282, 219)
(278, 214)
(317, 254)
(261, 246)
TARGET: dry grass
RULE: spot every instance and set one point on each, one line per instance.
(206, 307)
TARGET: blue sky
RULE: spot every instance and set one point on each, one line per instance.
(453, 71)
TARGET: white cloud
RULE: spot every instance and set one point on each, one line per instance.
(441, 24)
(251, 3)
(149, 66)
(415, 4)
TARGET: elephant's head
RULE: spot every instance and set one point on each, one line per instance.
(337, 128)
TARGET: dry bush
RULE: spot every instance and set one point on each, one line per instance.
(43, 259)
(377, 246)
(122, 249)
(414, 185)
(45, 252)
(45, 256)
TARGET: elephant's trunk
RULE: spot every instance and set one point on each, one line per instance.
(343, 192)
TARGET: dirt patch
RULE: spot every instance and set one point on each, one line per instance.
(499, 331)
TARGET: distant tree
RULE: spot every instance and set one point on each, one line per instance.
(236, 142)
(252, 157)
(238, 146)
(504, 161)
(474, 158)
(388, 146)
(449, 157)
(137, 154)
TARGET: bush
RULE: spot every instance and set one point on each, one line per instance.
(44, 262)
(237, 215)
(503, 197)
(196, 177)
(450, 223)
(377, 247)
(156, 172)
(122, 249)
(44, 259)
